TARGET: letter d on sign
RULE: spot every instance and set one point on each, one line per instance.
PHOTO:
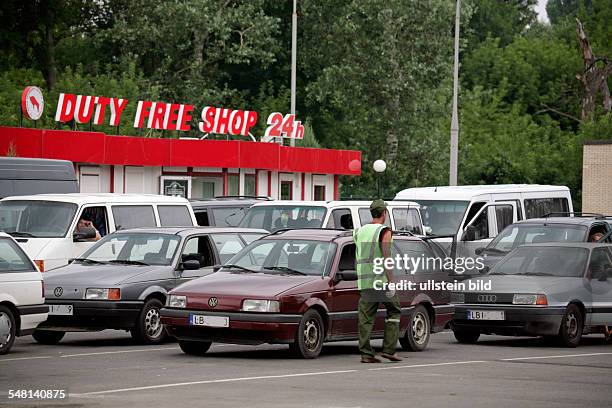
(65, 107)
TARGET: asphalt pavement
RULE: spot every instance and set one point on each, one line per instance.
(107, 369)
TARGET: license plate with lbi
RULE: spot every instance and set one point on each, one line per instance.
(61, 310)
(486, 315)
(210, 321)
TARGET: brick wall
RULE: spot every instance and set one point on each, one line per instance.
(597, 178)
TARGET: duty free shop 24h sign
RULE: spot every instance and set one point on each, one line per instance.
(161, 116)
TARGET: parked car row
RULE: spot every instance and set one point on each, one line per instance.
(143, 265)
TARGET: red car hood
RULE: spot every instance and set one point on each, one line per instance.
(239, 284)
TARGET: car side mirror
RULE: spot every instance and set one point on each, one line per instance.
(479, 251)
(190, 265)
(84, 234)
(347, 275)
(485, 269)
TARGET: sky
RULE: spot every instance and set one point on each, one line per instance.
(541, 10)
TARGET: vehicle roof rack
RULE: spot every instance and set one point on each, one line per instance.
(242, 197)
(278, 231)
(572, 213)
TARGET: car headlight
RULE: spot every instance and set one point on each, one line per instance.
(259, 305)
(103, 294)
(530, 299)
(457, 297)
(177, 301)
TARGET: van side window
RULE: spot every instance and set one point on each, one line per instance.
(407, 219)
(133, 216)
(97, 216)
(479, 229)
(504, 214)
(174, 216)
(538, 207)
(341, 218)
(202, 218)
(365, 217)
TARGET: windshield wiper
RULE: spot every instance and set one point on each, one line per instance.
(535, 274)
(128, 262)
(21, 234)
(285, 269)
(495, 250)
(87, 260)
(242, 268)
(498, 273)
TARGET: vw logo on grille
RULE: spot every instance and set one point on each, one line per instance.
(213, 301)
(58, 291)
(487, 298)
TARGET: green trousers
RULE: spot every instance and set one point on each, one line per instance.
(367, 316)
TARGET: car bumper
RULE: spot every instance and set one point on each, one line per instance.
(519, 320)
(244, 328)
(31, 316)
(94, 315)
(443, 316)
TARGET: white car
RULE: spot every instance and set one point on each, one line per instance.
(22, 302)
(47, 226)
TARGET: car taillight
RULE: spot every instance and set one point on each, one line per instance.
(40, 264)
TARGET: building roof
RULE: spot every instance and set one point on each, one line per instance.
(467, 192)
(99, 148)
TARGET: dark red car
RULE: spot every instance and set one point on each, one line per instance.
(298, 287)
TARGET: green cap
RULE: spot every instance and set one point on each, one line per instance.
(378, 207)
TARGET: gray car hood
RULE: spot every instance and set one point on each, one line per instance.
(101, 275)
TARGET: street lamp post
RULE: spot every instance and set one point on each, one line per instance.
(454, 131)
(293, 60)
(379, 167)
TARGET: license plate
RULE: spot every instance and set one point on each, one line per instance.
(61, 310)
(210, 321)
(486, 315)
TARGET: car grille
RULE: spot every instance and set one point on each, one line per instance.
(489, 298)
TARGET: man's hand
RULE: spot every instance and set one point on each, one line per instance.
(390, 294)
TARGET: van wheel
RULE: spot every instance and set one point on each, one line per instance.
(418, 332)
(466, 336)
(148, 328)
(7, 329)
(309, 336)
(571, 328)
(48, 337)
(194, 348)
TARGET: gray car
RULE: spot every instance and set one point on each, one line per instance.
(122, 281)
(560, 290)
(539, 230)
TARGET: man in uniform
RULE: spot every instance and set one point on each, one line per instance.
(373, 241)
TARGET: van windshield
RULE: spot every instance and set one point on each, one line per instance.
(36, 219)
(276, 217)
(442, 217)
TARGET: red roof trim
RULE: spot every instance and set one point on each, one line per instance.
(99, 148)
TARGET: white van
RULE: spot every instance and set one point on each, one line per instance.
(45, 225)
(479, 213)
(275, 215)
(22, 303)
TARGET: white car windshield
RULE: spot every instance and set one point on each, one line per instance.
(276, 217)
(36, 219)
(284, 256)
(137, 248)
